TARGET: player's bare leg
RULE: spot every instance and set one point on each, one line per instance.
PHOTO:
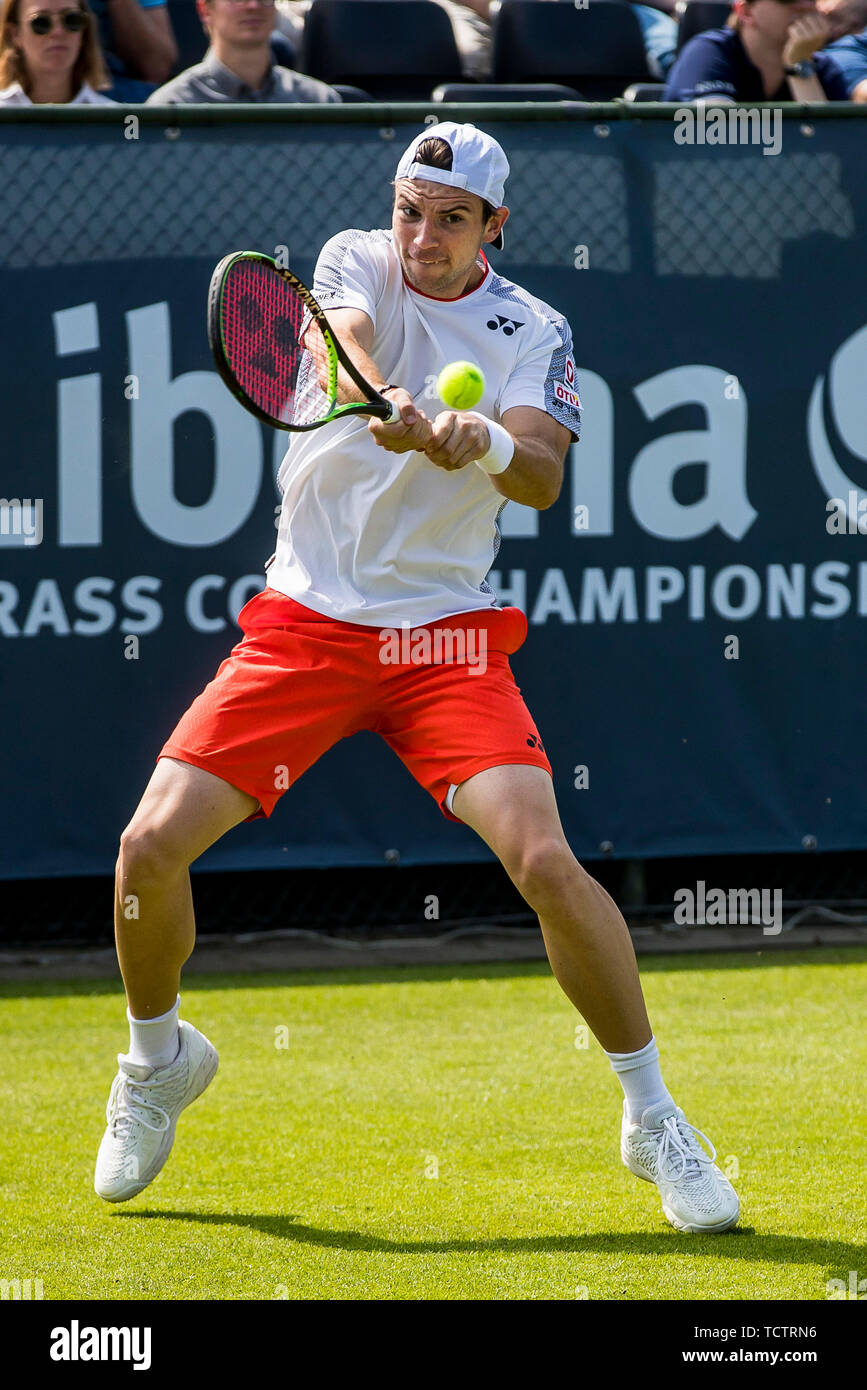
(170, 1063)
(183, 811)
(514, 810)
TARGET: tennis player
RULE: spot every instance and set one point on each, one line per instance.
(385, 528)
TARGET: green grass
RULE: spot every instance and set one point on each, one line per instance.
(302, 1171)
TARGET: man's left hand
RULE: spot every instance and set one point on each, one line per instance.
(805, 37)
(457, 439)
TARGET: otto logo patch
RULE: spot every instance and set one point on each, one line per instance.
(564, 394)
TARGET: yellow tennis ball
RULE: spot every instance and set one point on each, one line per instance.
(461, 385)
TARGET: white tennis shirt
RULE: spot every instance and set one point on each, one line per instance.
(382, 539)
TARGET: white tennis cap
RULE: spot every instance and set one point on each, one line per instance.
(478, 163)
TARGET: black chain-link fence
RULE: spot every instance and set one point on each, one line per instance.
(81, 194)
(421, 901)
(116, 185)
(713, 217)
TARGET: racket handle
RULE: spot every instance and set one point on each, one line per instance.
(395, 412)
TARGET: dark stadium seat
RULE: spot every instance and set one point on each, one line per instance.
(505, 91)
(398, 50)
(598, 50)
(189, 33)
(644, 91)
(695, 15)
(351, 93)
(283, 50)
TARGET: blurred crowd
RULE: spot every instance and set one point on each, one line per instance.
(168, 52)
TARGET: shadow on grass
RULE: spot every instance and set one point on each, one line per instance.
(742, 1243)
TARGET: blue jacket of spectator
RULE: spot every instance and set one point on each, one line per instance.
(125, 88)
(715, 63)
(850, 56)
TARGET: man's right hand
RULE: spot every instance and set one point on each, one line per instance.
(411, 432)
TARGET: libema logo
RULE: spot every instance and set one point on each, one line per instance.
(76, 1343)
(841, 402)
(157, 399)
(644, 491)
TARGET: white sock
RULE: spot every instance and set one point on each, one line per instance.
(640, 1076)
(154, 1042)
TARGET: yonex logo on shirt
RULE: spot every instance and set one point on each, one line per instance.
(509, 326)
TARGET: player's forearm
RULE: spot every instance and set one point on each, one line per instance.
(347, 390)
(534, 477)
(141, 40)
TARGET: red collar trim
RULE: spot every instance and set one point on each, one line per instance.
(456, 297)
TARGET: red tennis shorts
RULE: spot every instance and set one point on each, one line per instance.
(300, 681)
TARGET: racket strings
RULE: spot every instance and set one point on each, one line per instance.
(263, 322)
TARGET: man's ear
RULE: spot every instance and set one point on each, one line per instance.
(494, 227)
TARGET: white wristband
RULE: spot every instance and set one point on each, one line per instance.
(502, 449)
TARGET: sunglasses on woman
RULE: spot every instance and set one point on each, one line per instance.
(73, 21)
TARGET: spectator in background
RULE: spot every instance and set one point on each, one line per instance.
(471, 25)
(470, 22)
(49, 52)
(769, 51)
(659, 32)
(844, 16)
(849, 53)
(238, 66)
(138, 43)
(289, 19)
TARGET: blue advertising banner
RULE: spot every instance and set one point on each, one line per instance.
(696, 597)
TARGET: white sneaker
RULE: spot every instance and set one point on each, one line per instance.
(142, 1112)
(662, 1148)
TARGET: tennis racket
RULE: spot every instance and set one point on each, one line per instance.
(275, 350)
